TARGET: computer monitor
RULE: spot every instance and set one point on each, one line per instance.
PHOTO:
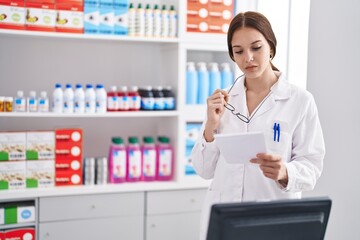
(300, 219)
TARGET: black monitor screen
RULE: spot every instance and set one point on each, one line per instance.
(300, 219)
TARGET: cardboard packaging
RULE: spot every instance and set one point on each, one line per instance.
(70, 16)
(40, 145)
(12, 175)
(21, 233)
(40, 174)
(12, 146)
(40, 15)
(12, 14)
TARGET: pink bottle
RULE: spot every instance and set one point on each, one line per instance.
(117, 161)
(134, 160)
(165, 160)
(149, 159)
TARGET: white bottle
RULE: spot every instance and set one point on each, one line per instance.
(90, 99)
(172, 22)
(20, 103)
(131, 20)
(149, 21)
(79, 99)
(43, 102)
(140, 21)
(32, 102)
(157, 21)
(68, 99)
(164, 22)
(58, 99)
(101, 99)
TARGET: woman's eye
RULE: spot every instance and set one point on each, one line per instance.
(256, 48)
(239, 52)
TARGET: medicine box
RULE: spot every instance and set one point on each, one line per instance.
(40, 15)
(2, 216)
(68, 165)
(106, 20)
(12, 146)
(69, 16)
(12, 175)
(91, 19)
(21, 233)
(40, 145)
(120, 20)
(68, 178)
(71, 135)
(40, 174)
(12, 14)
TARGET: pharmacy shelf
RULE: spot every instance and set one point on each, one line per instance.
(19, 33)
(99, 189)
(17, 225)
(92, 115)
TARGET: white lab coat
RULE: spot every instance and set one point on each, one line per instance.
(301, 146)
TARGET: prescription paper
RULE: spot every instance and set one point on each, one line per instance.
(239, 148)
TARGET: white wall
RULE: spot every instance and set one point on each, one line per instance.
(333, 78)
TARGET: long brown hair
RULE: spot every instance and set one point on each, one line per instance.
(256, 21)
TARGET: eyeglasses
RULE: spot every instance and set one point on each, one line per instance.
(240, 116)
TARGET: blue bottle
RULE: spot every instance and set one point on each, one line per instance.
(191, 83)
(203, 76)
(227, 77)
(214, 77)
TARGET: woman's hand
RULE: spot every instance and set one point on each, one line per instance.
(272, 167)
(215, 109)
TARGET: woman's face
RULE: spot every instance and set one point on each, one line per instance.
(251, 52)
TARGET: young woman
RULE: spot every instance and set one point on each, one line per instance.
(261, 100)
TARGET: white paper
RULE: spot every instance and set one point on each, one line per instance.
(240, 147)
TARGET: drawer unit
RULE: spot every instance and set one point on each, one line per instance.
(91, 206)
(114, 228)
(177, 201)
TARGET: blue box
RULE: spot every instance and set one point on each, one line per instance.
(91, 19)
(120, 21)
(106, 20)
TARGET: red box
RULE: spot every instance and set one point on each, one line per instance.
(69, 16)
(2, 236)
(197, 16)
(20, 233)
(12, 14)
(68, 178)
(68, 165)
(68, 151)
(40, 15)
(71, 135)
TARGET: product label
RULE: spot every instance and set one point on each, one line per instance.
(119, 164)
(134, 164)
(169, 103)
(147, 103)
(159, 104)
(70, 19)
(20, 105)
(12, 15)
(113, 103)
(149, 158)
(165, 162)
(124, 103)
(41, 17)
(135, 102)
(32, 105)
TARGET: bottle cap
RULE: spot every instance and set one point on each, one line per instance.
(20, 93)
(58, 85)
(117, 140)
(68, 85)
(32, 94)
(78, 86)
(43, 94)
(89, 85)
(113, 88)
(148, 139)
(214, 66)
(133, 140)
(163, 139)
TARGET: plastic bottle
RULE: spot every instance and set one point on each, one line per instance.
(157, 21)
(149, 21)
(9, 102)
(147, 98)
(192, 84)
(169, 98)
(134, 160)
(32, 102)
(101, 98)
(2, 104)
(227, 77)
(165, 159)
(134, 99)
(90, 99)
(79, 99)
(159, 100)
(172, 22)
(203, 78)
(140, 21)
(124, 104)
(43, 102)
(112, 99)
(117, 161)
(68, 99)
(214, 77)
(58, 99)
(132, 20)
(149, 159)
(20, 102)
(164, 22)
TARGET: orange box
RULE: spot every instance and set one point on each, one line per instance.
(68, 178)
(69, 16)
(71, 135)
(220, 16)
(12, 14)
(40, 15)
(20, 233)
(68, 165)
(197, 16)
(68, 151)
